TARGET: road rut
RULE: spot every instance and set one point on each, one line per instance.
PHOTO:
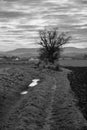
(50, 105)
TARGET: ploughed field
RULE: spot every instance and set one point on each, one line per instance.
(50, 105)
(73, 62)
(78, 83)
(14, 80)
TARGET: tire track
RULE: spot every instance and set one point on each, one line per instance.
(62, 111)
(48, 120)
(65, 114)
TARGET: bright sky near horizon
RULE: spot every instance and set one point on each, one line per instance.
(20, 21)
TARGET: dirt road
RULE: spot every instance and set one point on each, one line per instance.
(50, 105)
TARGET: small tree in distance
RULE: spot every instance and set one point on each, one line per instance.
(51, 44)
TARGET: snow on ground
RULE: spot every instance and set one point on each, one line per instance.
(24, 92)
(34, 83)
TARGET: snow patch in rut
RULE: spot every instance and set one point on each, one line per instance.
(34, 83)
(24, 92)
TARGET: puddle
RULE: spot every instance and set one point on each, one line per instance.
(34, 82)
(24, 92)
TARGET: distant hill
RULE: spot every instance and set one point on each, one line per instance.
(29, 52)
(74, 50)
(23, 52)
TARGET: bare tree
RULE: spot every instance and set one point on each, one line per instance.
(51, 42)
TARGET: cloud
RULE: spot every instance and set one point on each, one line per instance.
(20, 20)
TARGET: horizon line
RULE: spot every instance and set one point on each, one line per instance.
(39, 47)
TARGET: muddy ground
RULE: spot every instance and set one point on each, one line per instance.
(51, 105)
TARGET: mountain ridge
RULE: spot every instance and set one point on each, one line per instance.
(28, 52)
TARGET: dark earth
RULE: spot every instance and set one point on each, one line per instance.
(51, 105)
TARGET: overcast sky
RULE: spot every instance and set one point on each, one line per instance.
(20, 21)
